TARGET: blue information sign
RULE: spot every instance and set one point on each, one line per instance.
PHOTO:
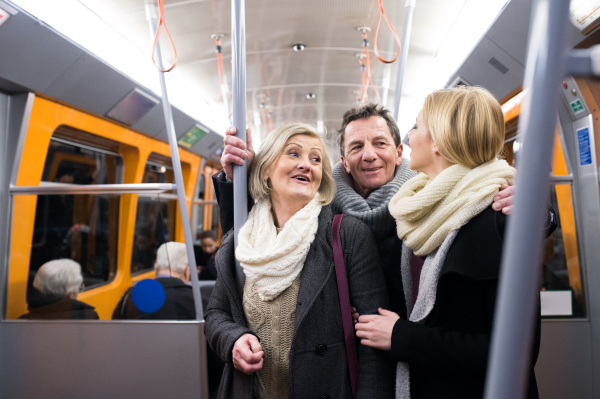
(585, 153)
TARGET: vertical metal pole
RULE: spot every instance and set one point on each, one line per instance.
(518, 291)
(409, 8)
(151, 14)
(240, 180)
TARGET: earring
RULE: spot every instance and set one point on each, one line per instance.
(433, 149)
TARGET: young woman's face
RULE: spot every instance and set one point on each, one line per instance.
(421, 146)
(296, 175)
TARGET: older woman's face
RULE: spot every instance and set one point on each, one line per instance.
(296, 174)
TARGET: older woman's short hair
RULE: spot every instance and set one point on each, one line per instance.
(59, 277)
(466, 123)
(172, 256)
(273, 147)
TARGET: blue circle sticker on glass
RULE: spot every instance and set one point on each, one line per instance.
(148, 296)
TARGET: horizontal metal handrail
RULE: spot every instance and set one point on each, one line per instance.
(561, 179)
(159, 196)
(205, 202)
(67, 189)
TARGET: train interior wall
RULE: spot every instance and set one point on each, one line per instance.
(569, 358)
(68, 359)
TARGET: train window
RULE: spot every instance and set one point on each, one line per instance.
(199, 211)
(201, 186)
(155, 220)
(78, 227)
(561, 286)
(562, 294)
(215, 218)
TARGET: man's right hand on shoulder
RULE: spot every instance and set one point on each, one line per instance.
(235, 152)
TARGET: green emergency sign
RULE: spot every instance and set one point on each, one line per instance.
(577, 106)
(192, 137)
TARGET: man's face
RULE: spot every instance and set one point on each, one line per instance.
(208, 245)
(370, 154)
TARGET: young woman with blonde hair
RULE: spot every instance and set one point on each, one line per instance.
(452, 245)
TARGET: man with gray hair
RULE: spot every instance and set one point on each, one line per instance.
(172, 273)
(371, 172)
(59, 281)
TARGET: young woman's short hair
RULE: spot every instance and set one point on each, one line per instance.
(59, 277)
(273, 147)
(172, 256)
(466, 123)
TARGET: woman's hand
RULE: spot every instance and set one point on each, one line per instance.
(503, 200)
(376, 330)
(247, 354)
(355, 315)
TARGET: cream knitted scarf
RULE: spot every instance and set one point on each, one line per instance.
(273, 261)
(426, 211)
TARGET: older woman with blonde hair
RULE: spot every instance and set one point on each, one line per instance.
(283, 337)
(452, 245)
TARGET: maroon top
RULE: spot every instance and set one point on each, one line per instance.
(416, 265)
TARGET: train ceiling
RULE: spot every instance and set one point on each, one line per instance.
(327, 67)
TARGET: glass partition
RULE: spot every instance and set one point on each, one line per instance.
(155, 219)
(562, 294)
(83, 228)
(154, 225)
(199, 211)
(561, 286)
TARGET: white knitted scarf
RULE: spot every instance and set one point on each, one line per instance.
(426, 211)
(273, 261)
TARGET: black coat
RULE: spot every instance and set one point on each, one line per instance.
(59, 308)
(448, 353)
(318, 364)
(179, 303)
(209, 270)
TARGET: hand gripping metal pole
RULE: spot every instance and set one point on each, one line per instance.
(409, 9)
(518, 291)
(151, 14)
(240, 173)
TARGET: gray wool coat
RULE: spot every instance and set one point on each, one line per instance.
(318, 365)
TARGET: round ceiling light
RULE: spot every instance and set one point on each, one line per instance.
(298, 47)
(311, 96)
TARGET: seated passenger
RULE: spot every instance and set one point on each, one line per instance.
(59, 282)
(452, 244)
(290, 298)
(173, 273)
(207, 270)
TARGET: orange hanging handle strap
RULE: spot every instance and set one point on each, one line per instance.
(366, 67)
(382, 11)
(161, 21)
(368, 62)
(218, 49)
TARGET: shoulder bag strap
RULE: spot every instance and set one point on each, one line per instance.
(342, 283)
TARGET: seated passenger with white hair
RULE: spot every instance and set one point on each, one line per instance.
(172, 272)
(59, 282)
